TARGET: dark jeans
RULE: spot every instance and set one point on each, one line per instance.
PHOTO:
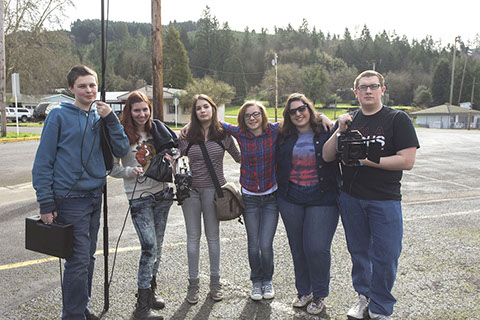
(310, 231)
(83, 211)
(149, 217)
(261, 218)
(374, 231)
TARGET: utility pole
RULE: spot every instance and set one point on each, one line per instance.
(157, 59)
(2, 71)
(453, 70)
(471, 103)
(467, 52)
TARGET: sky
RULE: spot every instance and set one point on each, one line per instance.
(414, 18)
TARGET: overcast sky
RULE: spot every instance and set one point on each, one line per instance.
(413, 18)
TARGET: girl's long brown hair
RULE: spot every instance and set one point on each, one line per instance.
(287, 127)
(195, 134)
(127, 121)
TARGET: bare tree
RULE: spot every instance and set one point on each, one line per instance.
(25, 20)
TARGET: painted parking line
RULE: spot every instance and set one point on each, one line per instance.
(439, 180)
(137, 248)
(451, 214)
(98, 252)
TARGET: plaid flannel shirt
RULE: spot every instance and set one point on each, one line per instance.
(257, 171)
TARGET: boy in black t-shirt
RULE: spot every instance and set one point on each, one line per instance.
(370, 196)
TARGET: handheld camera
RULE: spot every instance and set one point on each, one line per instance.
(352, 147)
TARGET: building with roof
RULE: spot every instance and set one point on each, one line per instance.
(447, 117)
(180, 114)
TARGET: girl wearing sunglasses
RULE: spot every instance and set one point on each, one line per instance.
(307, 200)
(257, 139)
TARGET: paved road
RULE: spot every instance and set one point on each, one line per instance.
(438, 278)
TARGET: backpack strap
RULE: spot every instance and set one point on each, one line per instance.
(211, 170)
(220, 143)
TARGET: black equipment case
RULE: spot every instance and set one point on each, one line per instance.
(52, 239)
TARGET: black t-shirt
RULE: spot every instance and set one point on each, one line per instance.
(394, 131)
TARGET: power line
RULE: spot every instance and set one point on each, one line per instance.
(227, 72)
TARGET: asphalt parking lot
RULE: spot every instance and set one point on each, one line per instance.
(438, 275)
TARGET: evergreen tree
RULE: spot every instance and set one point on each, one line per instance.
(315, 83)
(176, 70)
(234, 75)
(441, 83)
(205, 45)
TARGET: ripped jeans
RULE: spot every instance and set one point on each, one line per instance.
(149, 217)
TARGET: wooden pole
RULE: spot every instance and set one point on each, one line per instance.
(463, 78)
(2, 71)
(157, 60)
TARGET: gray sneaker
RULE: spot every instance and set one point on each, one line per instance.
(216, 291)
(301, 301)
(316, 306)
(376, 316)
(359, 310)
(256, 293)
(193, 290)
(268, 291)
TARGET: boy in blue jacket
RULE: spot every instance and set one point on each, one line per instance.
(69, 175)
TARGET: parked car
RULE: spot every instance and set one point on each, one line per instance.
(43, 108)
(23, 114)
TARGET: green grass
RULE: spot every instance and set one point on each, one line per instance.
(331, 113)
(13, 135)
(26, 124)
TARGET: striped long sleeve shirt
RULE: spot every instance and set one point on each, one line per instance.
(200, 176)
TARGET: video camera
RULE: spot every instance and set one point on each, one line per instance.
(352, 147)
(183, 180)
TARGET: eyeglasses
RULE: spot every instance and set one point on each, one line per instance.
(301, 109)
(255, 114)
(372, 87)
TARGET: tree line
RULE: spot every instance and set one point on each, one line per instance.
(322, 66)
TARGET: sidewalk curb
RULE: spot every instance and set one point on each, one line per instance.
(18, 139)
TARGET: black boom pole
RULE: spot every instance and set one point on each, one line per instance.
(106, 288)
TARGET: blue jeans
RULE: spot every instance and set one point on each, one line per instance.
(374, 231)
(310, 230)
(83, 211)
(261, 218)
(149, 217)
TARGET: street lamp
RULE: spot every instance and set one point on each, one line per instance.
(457, 39)
(274, 63)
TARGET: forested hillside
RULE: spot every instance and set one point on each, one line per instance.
(323, 66)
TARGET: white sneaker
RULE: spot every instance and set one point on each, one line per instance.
(268, 291)
(256, 293)
(376, 316)
(358, 311)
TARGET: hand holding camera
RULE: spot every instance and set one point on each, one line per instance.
(352, 147)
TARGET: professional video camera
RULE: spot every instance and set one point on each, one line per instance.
(351, 147)
(183, 180)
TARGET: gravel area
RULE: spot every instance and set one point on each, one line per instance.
(438, 275)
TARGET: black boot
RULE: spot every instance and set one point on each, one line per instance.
(142, 311)
(157, 302)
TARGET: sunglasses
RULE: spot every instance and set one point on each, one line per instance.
(301, 109)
